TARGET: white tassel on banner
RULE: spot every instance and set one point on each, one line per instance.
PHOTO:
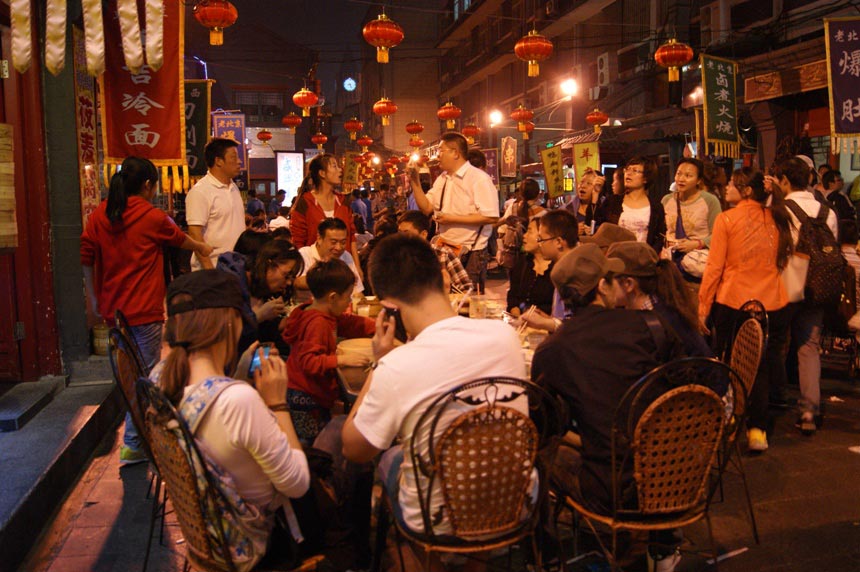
(155, 34)
(55, 36)
(22, 42)
(95, 36)
(129, 25)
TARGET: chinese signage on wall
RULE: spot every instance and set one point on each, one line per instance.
(843, 69)
(509, 157)
(492, 168)
(85, 120)
(350, 169)
(197, 93)
(232, 126)
(553, 170)
(721, 115)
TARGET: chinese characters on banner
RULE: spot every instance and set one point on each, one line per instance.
(197, 118)
(232, 126)
(143, 114)
(492, 156)
(85, 119)
(585, 155)
(509, 157)
(554, 171)
(721, 115)
(350, 168)
(843, 74)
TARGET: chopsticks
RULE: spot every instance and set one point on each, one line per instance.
(524, 323)
(463, 299)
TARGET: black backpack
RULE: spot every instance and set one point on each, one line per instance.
(824, 283)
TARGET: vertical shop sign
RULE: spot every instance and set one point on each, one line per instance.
(721, 114)
(843, 79)
(552, 168)
(585, 156)
(197, 124)
(85, 120)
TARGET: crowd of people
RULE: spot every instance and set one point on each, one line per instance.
(624, 277)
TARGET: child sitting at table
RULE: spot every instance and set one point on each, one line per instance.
(312, 331)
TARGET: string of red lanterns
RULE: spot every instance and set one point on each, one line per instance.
(471, 131)
(385, 108)
(522, 115)
(364, 141)
(596, 118)
(353, 126)
(305, 99)
(319, 140)
(264, 135)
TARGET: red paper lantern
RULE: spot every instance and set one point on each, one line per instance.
(673, 55)
(292, 121)
(365, 142)
(319, 140)
(353, 126)
(383, 33)
(471, 131)
(596, 118)
(385, 108)
(522, 116)
(305, 99)
(215, 15)
(414, 128)
(264, 135)
(533, 48)
(449, 114)
(416, 142)
(422, 160)
(529, 127)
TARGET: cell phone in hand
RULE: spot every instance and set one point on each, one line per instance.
(399, 328)
(255, 362)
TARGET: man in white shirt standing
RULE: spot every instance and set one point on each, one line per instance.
(793, 179)
(214, 208)
(466, 205)
(331, 243)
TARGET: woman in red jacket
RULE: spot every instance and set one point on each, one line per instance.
(318, 200)
(123, 262)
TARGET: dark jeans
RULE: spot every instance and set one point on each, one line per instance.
(771, 371)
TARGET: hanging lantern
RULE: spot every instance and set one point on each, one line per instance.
(533, 48)
(416, 142)
(414, 129)
(527, 129)
(353, 126)
(522, 116)
(368, 156)
(215, 15)
(383, 33)
(385, 108)
(319, 140)
(264, 135)
(292, 121)
(449, 114)
(596, 118)
(471, 131)
(365, 142)
(305, 99)
(422, 160)
(673, 55)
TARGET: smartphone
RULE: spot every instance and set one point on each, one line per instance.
(255, 362)
(399, 328)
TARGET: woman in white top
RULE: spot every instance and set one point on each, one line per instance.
(637, 210)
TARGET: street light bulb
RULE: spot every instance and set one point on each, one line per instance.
(414, 157)
(375, 160)
(495, 117)
(569, 87)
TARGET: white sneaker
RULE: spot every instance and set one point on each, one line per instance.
(665, 564)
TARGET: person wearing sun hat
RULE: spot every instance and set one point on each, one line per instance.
(590, 362)
(608, 234)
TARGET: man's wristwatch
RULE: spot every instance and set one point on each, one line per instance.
(279, 407)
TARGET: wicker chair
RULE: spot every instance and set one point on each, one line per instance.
(667, 431)
(190, 504)
(480, 458)
(125, 329)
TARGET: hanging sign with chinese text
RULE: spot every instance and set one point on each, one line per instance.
(197, 98)
(350, 168)
(585, 156)
(85, 120)
(509, 157)
(8, 219)
(492, 168)
(843, 75)
(143, 114)
(721, 116)
(232, 126)
(553, 171)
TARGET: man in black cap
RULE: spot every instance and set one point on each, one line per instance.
(590, 361)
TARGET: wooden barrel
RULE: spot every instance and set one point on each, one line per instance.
(100, 339)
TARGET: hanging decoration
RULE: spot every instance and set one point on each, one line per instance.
(522, 116)
(414, 128)
(449, 114)
(291, 120)
(215, 15)
(385, 108)
(533, 48)
(527, 129)
(353, 126)
(22, 39)
(94, 36)
(364, 141)
(471, 131)
(155, 35)
(382, 33)
(264, 135)
(319, 140)
(596, 118)
(842, 40)
(305, 99)
(416, 142)
(55, 35)
(720, 103)
(673, 55)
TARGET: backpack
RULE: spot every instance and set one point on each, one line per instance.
(837, 320)
(512, 240)
(823, 285)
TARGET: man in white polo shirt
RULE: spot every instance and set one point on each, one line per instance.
(331, 243)
(214, 208)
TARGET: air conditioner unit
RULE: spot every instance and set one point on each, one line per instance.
(604, 69)
(598, 92)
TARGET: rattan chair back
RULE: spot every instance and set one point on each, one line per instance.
(175, 461)
(126, 371)
(121, 323)
(747, 350)
(675, 444)
(485, 460)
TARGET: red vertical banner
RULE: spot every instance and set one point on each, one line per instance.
(85, 120)
(143, 114)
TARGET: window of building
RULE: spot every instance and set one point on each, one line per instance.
(260, 107)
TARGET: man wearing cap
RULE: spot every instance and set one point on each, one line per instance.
(591, 361)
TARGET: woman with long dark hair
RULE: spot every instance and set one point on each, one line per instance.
(750, 247)
(122, 254)
(515, 220)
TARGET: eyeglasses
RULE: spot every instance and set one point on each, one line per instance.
(633, 171)
(539, 240)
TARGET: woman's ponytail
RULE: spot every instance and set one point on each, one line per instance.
(126, 182)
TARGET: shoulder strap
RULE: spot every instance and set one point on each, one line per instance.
(798, 212)
(195, 406)
(822, 213)
(442, 197)
(658, 332)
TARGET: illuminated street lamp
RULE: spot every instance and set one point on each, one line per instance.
(569, 87)
(495, 117)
